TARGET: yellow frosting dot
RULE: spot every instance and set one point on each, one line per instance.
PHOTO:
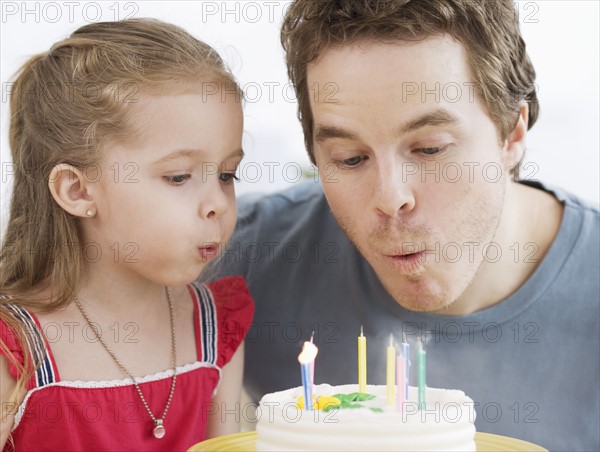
(327, 401)
(319, 403)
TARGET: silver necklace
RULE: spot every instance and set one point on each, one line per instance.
(159, 429)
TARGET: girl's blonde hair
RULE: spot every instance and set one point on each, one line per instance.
(65, 104)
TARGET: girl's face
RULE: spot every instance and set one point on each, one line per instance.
(166, 202)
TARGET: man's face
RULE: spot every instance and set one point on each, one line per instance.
(411, 164)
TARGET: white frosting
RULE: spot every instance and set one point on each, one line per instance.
(446, 423)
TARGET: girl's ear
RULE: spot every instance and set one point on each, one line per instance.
(514, 148)
(70, 190)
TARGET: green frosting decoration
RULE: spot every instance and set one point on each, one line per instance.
(354, 397)
(348, 401)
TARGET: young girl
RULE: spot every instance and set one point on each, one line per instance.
(125, 139)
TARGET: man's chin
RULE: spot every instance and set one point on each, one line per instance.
(418, 296)
(429, 307)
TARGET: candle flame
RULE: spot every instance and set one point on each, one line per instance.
(308, 353)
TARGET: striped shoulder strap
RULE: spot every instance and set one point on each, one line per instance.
(45, 373)
(207, 324)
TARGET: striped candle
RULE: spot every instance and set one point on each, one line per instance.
(306, 358)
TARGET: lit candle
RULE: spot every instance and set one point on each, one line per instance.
(421, 366)
(362, 362)
(406, 353)
(306, 358)
(391, 371)
(401, 380)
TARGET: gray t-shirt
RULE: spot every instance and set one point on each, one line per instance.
(531, 362)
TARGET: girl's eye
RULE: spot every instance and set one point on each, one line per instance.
(228, 177)
(179, 179)
(353, 161)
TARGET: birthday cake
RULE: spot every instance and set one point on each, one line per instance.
(343, 419)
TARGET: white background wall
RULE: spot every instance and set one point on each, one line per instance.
(562, 38)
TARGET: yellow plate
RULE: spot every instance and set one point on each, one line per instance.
(244, 442)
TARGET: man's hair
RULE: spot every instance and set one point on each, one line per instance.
(502, 73)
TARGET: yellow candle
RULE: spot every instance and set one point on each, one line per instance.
(391, 371)
(362, 362)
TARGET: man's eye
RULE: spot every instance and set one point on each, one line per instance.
(434, 150)
(228, 177)
(429, 151)
(353, 161)
(179, 179)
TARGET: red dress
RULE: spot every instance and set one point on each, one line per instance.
(109, 415)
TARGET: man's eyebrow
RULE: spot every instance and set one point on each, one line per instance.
(434, 118)
(194, 154)
(327, 132)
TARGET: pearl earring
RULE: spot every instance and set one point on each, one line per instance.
(90, 213)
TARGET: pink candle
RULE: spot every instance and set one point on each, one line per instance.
(400, 380)
(312, 364)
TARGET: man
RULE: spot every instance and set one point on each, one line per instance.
(416, 113)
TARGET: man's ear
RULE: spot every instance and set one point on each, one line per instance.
(70, 190)
(514, 147)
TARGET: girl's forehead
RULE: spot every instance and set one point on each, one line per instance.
(160, 124)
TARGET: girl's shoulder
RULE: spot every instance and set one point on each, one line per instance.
(225, 312)
(15, 319)
(230, 296)
(20, 338)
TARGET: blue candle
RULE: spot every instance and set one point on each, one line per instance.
(306, 385)
(306, 358)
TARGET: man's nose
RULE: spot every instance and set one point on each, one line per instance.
(393, 194)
